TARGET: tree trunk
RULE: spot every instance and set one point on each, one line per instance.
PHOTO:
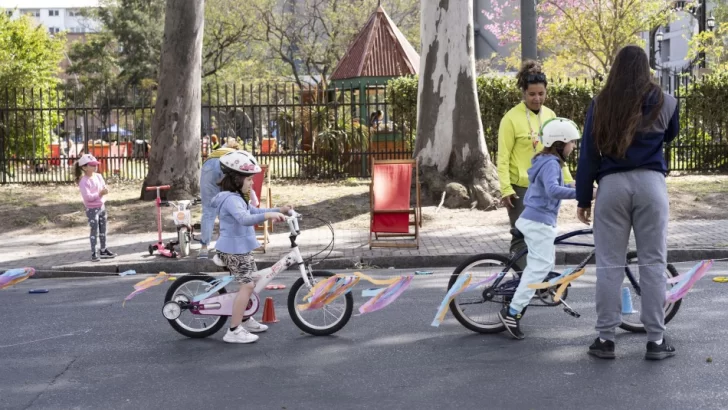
(174, 158)
(450, 141)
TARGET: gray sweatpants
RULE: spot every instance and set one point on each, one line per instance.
(631, 200)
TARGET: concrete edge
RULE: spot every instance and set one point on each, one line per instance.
(361, 263)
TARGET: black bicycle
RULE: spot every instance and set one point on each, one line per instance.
(492, 296)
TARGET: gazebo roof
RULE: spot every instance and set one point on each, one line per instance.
(379, 50)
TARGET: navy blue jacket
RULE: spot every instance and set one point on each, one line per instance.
(646, 150)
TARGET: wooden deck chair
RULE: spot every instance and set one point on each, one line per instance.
(391, 212)
(265, 199)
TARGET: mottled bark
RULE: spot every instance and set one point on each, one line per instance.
(174, 158)
(450, 141)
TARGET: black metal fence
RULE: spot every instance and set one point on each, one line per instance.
(309, 133)
(300, 133)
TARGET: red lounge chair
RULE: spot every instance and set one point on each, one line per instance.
(260, 179)
(392, 214)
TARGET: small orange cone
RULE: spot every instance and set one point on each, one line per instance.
(269, 312)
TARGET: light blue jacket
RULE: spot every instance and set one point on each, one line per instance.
(237, 220)
(545, 190)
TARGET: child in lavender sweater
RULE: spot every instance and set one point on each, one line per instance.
(93, 191)
(546, 189)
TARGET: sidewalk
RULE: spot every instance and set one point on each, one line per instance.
(69, 256)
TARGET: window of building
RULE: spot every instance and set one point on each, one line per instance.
(30, 12)
(74, 13)
(52, 13)
(665, 50)
(54, 30)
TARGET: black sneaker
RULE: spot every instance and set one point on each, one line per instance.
(659, 352)
(512, 323)
(95, 257)
(107, 254)
(602, 350)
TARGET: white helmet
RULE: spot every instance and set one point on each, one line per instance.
(239, 162)
(559, 129)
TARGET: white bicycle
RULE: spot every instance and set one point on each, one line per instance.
(197, 305)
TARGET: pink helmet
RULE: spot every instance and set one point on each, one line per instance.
(239, 162)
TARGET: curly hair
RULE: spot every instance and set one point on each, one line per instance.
(530, 73)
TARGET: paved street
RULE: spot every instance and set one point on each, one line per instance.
(76, 347)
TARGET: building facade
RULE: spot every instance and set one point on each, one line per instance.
(55, 15)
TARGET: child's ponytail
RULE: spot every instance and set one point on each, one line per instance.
(77, 172)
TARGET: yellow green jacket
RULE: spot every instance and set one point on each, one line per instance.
(515, 147)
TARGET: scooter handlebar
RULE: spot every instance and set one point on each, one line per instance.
(162, 187)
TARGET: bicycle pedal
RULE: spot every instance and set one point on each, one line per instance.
(572, 312)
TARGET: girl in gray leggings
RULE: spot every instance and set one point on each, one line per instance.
(93, 191)
(622, 149)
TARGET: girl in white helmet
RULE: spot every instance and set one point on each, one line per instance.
(546, 189)
(237, 236)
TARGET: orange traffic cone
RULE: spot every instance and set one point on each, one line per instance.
(269, 312)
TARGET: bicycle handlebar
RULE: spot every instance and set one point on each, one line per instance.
(162, 187)
(292, 222)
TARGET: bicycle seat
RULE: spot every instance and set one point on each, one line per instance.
(516, 233)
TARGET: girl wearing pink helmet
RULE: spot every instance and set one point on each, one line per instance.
(237, 236)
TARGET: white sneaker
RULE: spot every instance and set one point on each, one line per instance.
(240, 335)
(252, 326)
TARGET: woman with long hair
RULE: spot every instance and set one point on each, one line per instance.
(626, 126)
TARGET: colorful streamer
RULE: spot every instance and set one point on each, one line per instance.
(146, 284)
(327, 291)
(686, 281)
(14, 276)
(386, 296)
(562, 281)
(461, 285)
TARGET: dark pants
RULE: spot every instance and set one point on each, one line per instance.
(513, 214)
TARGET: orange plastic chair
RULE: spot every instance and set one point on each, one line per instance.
(263, 178)
(391, 212)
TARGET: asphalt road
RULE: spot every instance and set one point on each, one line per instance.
(76, 347)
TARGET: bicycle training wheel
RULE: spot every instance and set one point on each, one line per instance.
(631, 321)
(478, 310)
(319, 322)
(183, 238)
(182, 291)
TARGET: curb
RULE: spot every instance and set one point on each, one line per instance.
(362, 263)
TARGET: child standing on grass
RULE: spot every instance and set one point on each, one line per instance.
(543, 198)
(93, 191)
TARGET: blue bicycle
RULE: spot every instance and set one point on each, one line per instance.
(478, 310)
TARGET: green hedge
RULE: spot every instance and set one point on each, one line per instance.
(702, 144)
(703, 140)
(496, 96)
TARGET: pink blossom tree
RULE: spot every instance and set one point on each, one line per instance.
(579, 37)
